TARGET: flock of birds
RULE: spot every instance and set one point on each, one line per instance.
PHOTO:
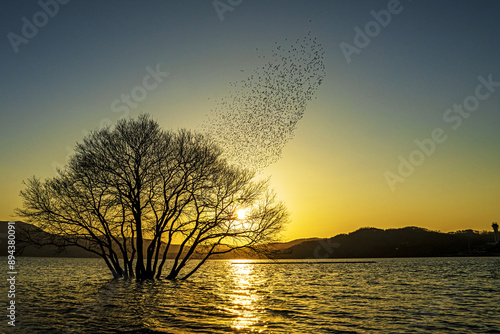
(258, 117)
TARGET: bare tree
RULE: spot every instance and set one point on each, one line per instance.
(130, 193)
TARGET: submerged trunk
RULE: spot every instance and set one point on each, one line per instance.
(139, 266)
(116, 272)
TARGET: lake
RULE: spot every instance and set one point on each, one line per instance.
(417, 295)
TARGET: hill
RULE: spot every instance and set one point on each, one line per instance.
(32, 250)
(403, 242)
(366, 242)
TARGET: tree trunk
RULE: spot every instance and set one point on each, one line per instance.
(139, 266)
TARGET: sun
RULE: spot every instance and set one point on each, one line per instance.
(241, 214)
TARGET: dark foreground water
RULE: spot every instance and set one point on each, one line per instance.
(438, 295)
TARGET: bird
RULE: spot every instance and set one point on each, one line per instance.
(258, 117)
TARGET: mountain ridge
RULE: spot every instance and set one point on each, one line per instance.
(366, 242)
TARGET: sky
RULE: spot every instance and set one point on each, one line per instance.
(403, 129)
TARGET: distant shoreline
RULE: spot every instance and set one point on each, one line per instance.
(365, 243)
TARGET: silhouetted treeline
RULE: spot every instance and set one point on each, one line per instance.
(404, 242)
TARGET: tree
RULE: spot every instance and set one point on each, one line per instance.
(132, 193)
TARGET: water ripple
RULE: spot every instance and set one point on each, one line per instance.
(391, 296)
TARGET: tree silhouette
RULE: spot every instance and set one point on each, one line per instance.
(130, 193)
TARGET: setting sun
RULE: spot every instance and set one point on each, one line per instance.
(242, 214)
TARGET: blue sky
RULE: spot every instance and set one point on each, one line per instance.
(365, 114)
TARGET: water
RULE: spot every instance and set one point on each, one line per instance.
(439, 295)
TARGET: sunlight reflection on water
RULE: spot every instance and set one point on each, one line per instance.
(244, 300)
(447, 295)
